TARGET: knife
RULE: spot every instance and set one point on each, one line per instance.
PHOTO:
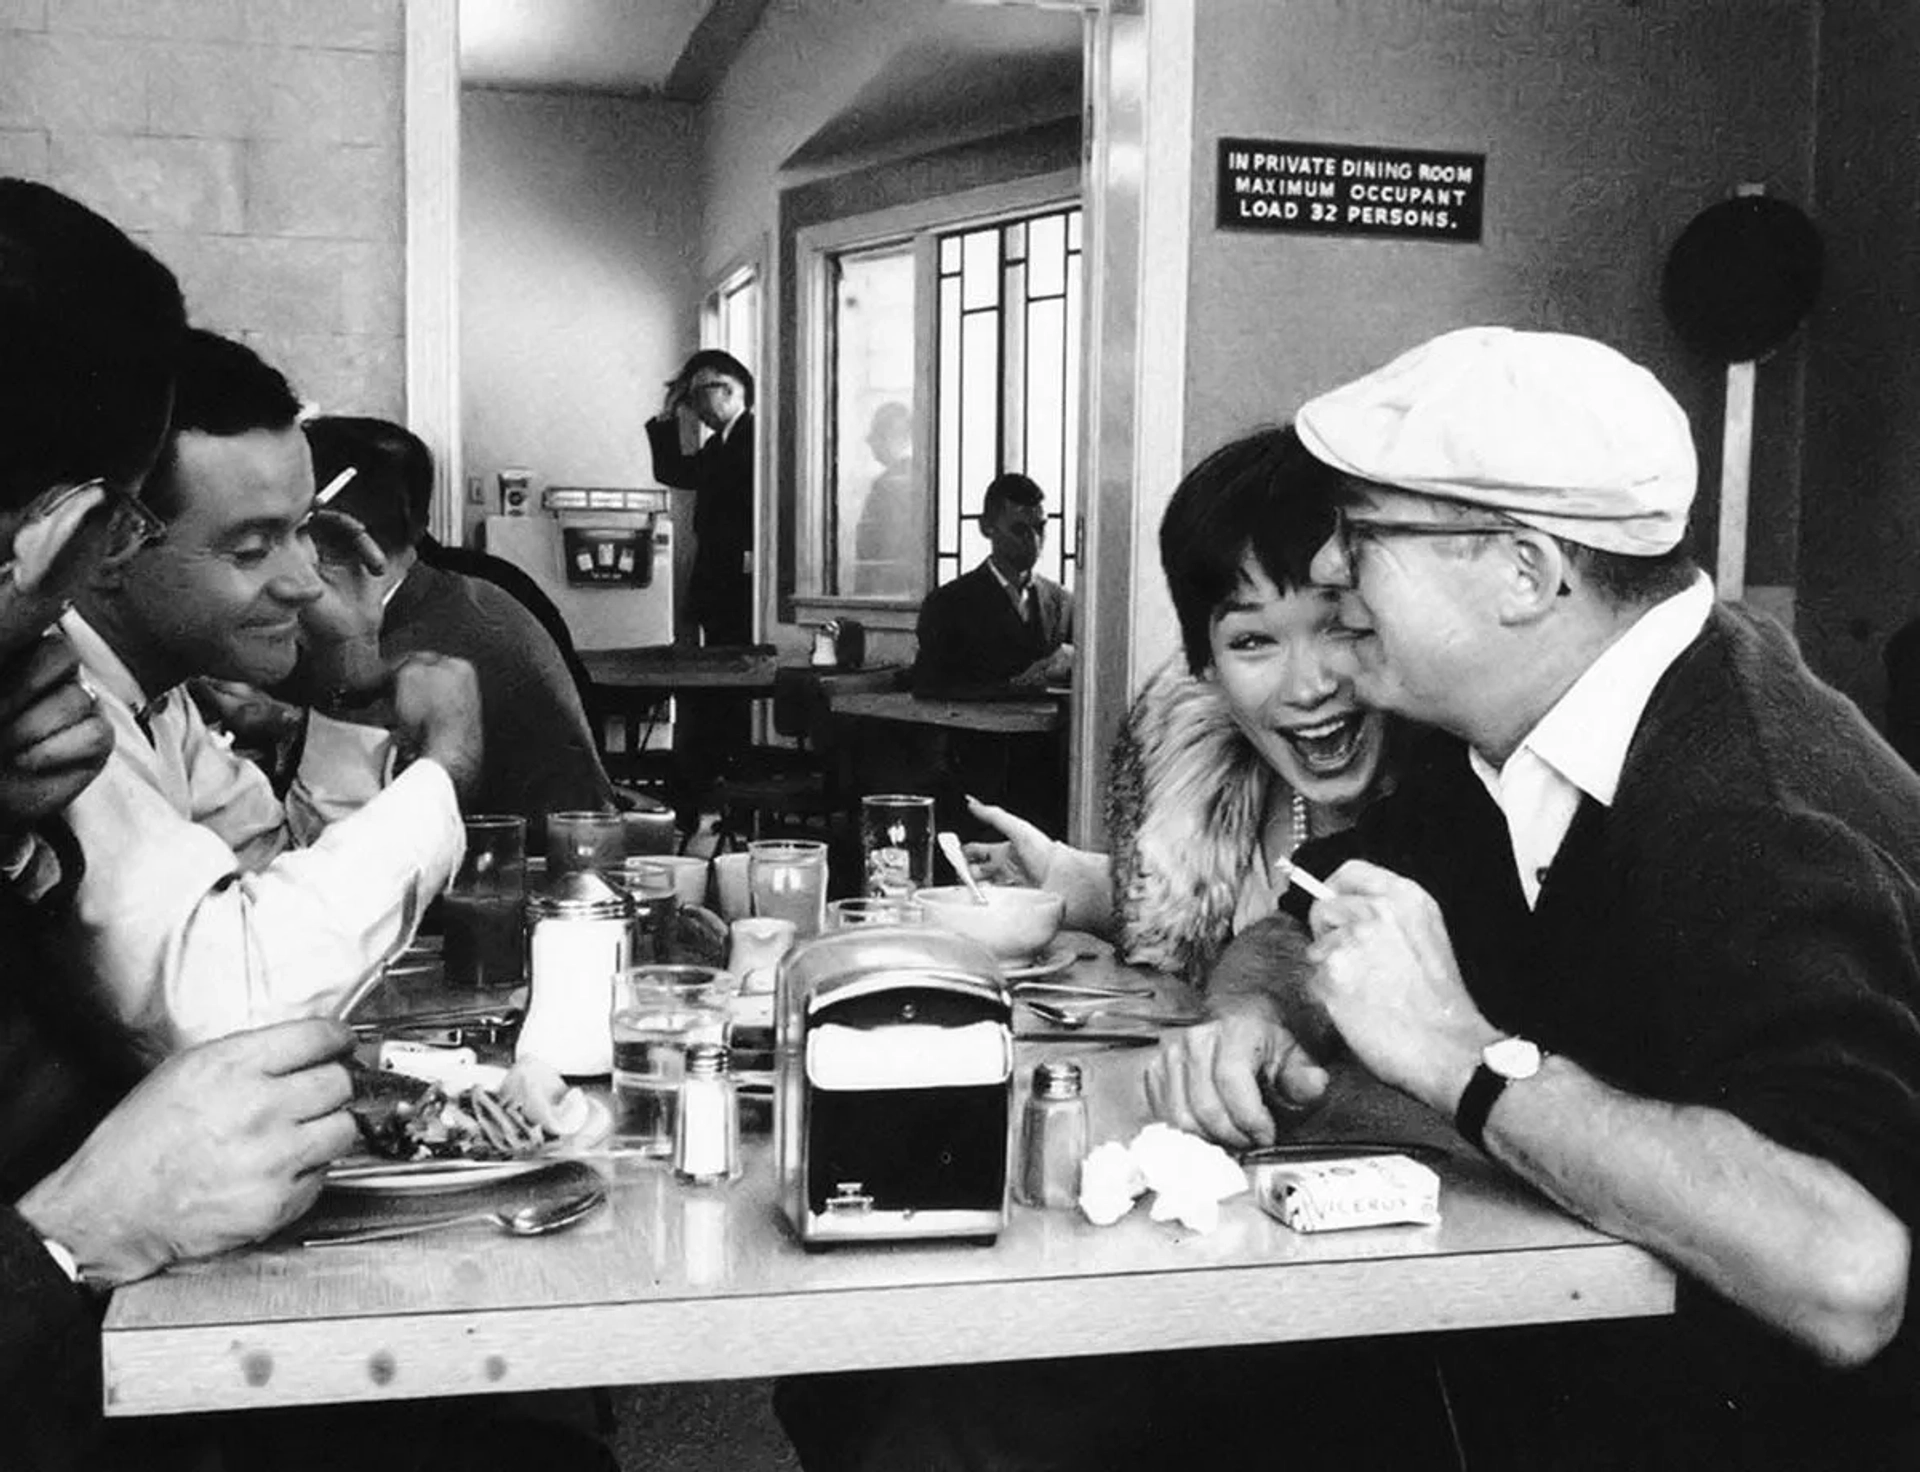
(1090, 1035)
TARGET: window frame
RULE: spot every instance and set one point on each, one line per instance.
(920, 223)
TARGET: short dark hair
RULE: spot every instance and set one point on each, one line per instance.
(1010, 488)
(1637, 582)
(1262, 496)
(225, 388)
(90, 327)
(391, 492)
(713, 360)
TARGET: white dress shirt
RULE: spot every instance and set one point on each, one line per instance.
(1021, 593)
(1580, 745)
(200, 912)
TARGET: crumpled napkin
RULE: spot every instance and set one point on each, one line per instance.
(1189, 1178)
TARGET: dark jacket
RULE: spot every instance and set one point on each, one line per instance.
(720, 473)
(540, 755)
(473, 563)
(972, 642)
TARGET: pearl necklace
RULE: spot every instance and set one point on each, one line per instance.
(1300, 832)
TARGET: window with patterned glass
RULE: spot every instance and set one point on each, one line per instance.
(942, 354)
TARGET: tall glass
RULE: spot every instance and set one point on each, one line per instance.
(583, 840)
(659, 1012)
(787, 879)
(896, 842)
(483, 910)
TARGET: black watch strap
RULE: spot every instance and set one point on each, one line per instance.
(1476, 1103)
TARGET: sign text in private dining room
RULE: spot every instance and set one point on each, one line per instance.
(1349, 189)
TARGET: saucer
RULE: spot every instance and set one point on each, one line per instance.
(1050, 962)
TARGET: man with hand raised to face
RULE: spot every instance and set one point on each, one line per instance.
(1644, 930)
(206, 905)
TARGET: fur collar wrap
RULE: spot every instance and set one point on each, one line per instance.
(1185, 803)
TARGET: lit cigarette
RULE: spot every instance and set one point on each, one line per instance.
(1293, 874)
(335, 486)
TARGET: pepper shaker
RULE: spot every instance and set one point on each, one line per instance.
(1054, 1139)
(706, 1133)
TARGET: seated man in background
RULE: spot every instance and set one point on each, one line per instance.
(1002, 629)
(539, 755)
(217, 1146)
(200, 911)
(1643, 929)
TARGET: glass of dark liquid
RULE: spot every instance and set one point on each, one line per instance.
(484, 910)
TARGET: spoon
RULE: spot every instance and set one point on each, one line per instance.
(1061, 1018)
(535, 1219)
(956, 856)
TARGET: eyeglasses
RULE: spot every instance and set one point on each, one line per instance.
(132, 526)
(1349, 531)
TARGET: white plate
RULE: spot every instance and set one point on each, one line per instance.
(424, 1177)
(1050, 962)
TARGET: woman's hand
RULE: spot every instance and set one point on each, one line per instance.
(1023, 859)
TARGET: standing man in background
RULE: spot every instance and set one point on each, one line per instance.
(717, 389)
(711, 730)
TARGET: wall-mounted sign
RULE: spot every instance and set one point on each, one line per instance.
(1344, 189)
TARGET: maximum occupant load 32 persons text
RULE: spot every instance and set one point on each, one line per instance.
(1340, 189)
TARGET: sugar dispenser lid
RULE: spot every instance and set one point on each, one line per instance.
(579, 894)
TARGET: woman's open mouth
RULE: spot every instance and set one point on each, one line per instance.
(1327, 747)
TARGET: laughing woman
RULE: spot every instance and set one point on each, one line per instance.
(1222, 768)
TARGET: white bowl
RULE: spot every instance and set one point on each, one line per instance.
(1016, 923)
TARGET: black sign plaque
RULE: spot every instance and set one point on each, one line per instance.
(1348, 189)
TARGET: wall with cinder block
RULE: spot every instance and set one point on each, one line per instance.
(253, 145)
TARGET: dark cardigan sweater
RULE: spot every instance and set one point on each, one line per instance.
(1737, 930)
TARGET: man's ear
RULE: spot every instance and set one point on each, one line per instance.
(1538, 577)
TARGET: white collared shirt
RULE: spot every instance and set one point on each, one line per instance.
(1020, 593)
(1580, 745)
(199, 912)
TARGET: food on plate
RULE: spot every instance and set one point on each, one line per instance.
(405, 1118)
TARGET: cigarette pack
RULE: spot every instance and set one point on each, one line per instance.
(1354, 1191)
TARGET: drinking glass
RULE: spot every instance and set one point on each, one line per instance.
(659, 1011)
(482, 913)
(787, 879)
(582, 840)
(655, 906)
(730, 886)
(896, 841)
(873, 910)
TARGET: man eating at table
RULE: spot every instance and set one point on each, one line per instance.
(207, 907)
(1646, 933)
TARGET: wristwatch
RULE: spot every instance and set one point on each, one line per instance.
(1502, 1062)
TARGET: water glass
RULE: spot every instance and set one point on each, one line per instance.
(659, 1011)
(655, 907)
(896, 842)
(730, 887)
(873, 910)
(787, 880)
(482, 911)
(582, 840)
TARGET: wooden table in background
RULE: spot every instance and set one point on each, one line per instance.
(678, 1284)
(1004, 717)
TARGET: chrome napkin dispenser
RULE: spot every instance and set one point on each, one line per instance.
(895, 1087)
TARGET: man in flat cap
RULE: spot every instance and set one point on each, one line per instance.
(1645, 933)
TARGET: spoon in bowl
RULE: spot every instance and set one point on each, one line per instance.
(535, 1219)
(957, 856)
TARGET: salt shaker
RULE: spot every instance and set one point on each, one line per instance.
(706, 1133)
(1054, 1140)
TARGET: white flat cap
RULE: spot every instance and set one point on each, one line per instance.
(1560, 432)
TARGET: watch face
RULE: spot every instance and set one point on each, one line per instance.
(1513, 1058)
